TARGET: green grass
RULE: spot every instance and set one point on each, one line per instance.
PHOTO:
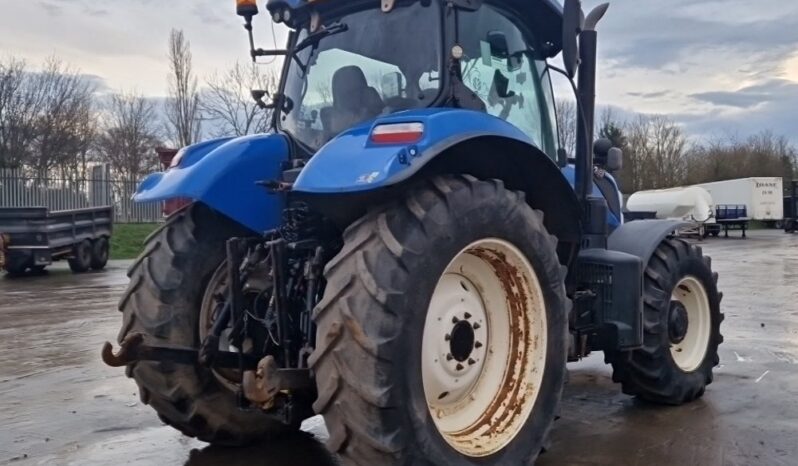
(127, 240)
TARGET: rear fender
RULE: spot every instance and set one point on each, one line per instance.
(223, 174)
(350, 172)
(353, 163)
(641, 238)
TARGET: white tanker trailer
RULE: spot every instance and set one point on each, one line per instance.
(691, 204)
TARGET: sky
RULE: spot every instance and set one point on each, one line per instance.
(718, 67)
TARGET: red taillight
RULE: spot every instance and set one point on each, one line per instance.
(397, 133)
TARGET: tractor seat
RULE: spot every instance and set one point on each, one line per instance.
(354, 101)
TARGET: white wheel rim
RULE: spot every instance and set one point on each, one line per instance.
(481, 396)
(689, 353)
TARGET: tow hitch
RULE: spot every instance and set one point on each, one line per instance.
(263, 380)
(132, 350)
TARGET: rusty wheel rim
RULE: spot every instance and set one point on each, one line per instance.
(484, 347)
(229, 378)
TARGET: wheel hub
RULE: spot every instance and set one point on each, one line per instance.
(462, 340)
(677, 322)
(460, 333)
(689, 323)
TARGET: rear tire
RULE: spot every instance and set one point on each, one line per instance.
(675, 364)
(163, 302)
(81, 257)
(374, 323)
(99, 253)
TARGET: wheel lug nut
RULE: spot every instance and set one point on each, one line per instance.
(471, 362)
(447, 337)
(467, 316)
(477, 326)
(455, 320)
(478, 345)
(449, 357)
(459, 367)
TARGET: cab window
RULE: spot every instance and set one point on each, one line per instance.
(499, 65)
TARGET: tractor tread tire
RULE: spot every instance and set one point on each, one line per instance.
(162, 302)
(360, 325)
(650, 372)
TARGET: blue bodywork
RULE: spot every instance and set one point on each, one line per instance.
(351, 162)
(223, 173)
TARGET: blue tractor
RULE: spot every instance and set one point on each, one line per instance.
(408, 251)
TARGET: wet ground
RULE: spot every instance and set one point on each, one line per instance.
(60, 405)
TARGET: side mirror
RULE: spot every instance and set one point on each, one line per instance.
(573, 21)
(614, 160)
(392, 85)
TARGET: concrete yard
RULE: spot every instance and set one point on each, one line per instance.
(60, 405)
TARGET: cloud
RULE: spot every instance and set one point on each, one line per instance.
(650, 95)
(774, 90)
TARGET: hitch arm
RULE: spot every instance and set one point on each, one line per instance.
(132, 350)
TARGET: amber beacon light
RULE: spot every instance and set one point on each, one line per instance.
(246, 8)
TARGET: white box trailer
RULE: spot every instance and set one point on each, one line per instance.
(762, 197)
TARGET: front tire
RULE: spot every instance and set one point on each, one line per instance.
(382, 328)
(681, 319)
(163, 301)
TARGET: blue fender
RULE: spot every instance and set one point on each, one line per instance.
(223, 173)
(353, 163)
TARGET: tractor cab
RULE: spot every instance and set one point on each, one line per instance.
(348, 63)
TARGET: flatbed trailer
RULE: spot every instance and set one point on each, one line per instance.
(730, 217)
(34, 237)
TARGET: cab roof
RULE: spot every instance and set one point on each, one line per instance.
(544, 16)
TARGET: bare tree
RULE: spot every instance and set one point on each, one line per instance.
(762, 154)
(656, 155)
(16, 114)
(129, 136)
(227, 102)
(64, 123)
(182, 106)
(566, 125)
(46, 117)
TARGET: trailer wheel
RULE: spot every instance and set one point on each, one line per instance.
(442, 331)
(99, 253)
(681, 328)
(81, 257)
(168, 284)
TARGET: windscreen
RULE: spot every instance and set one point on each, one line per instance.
(376, 64)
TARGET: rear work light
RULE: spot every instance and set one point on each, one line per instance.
(397, 133)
